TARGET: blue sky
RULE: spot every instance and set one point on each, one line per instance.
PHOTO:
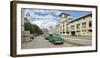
(49, 17)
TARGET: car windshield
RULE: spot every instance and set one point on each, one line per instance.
(56, 35)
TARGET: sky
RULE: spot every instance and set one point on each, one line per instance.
(45, 18)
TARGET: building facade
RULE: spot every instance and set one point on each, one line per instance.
(78, 27)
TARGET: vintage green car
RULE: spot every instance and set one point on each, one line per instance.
(55, 38)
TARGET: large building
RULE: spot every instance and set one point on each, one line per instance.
(78, 27)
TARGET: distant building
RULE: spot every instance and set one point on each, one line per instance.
(44, 30)
(54, 29)
(78, 27)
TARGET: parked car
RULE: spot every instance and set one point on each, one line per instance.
(55, 38)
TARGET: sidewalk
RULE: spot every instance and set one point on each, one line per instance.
(78, 41)
(79, 37)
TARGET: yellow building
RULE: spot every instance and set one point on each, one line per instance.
(78, 27)
(64, 21)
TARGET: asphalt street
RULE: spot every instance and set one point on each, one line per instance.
(40, 42)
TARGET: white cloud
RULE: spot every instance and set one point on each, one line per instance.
(37, 22)
(56, 12)
(45, 21)
(46, 11)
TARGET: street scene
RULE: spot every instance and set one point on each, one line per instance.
(50, 28)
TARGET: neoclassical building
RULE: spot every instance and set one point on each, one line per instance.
(78, 27)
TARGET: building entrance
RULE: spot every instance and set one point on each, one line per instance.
(73, 33)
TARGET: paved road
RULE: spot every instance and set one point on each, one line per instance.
(40, 42)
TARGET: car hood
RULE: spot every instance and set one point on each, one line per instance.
(57, 38)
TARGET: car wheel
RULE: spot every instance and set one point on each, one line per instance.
(49, 41)
(53, 42)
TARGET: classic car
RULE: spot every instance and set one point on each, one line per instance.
(55, 38)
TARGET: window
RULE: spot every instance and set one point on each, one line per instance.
(90, 23)
(73, 26)
(90, 30)
(84, 25)
(67, 32)
(78, 26)
(67, 28)
(63, 32)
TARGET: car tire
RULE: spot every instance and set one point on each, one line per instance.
(53, 42)
(49, 41)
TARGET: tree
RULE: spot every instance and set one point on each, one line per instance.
(28, 26)
(33, 28)
(36, 29)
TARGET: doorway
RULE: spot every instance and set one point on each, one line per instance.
(73, 33)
